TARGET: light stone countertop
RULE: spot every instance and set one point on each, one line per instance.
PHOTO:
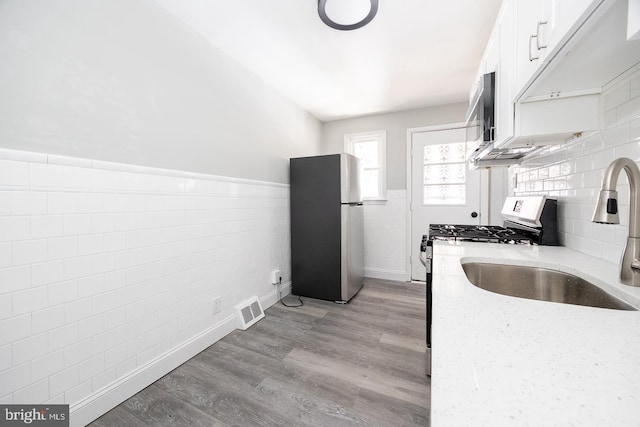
(506, 361)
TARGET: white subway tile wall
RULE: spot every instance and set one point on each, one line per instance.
(385, 237)
(573, 174)
(104, 267)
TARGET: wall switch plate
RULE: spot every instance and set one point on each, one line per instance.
(217, 305)
(276, 276)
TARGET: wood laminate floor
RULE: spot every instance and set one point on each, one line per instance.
(323, 364)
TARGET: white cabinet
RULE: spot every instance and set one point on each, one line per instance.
(543, 27)
(505, 73)
(529, 33)
(552, 58)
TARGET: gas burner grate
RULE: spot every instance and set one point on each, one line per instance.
(479, 233)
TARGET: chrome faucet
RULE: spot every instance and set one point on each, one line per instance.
(607, 213)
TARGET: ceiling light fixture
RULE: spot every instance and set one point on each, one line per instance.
(347, 15)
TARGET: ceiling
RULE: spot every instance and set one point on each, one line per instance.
(414, 54)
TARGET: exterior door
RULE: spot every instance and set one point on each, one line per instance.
(443, 188)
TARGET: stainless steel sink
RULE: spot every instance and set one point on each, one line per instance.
(540, 284)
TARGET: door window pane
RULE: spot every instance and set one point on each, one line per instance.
(444, 174)
(444, 194)
(445, 153)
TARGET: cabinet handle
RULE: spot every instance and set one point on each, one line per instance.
(531, 57)
(539, 36)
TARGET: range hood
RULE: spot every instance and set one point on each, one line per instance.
(487, 155)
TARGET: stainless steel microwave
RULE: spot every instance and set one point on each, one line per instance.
(481, 114)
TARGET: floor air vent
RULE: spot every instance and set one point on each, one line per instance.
(249, 312)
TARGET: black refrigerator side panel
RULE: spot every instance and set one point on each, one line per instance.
(315, 227)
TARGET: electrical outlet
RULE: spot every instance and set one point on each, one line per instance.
(217, 305)
(276, 276)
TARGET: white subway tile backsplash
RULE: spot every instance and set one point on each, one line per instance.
(104, 302)
(5, 357)
(61, 248)
(591, 156)
(106, 261)
(36, 392)
(91, 367)
(15, 378)
(63, 380)
(63, 292)
(46, 226)
(91, 285)
(616, 135)
(103, 262)
(30, 348)
(6, 305)
(63, 336)
(46, 319)
(75, 225)
(62, 203)
(115, 355)
(29, 251)
(90, 244)
(5, 202)
(15, 278)
(115, 242)
(29, 300)
(629, 110)
(14, 174)
(28, 203)
(77, 267)
(77, 310)
(43, 367)
(103, 223)
(617, 96)
(44, 175)
(76, 353)
(102, 342)
(90, 202)
(5, 255)
(14, 228)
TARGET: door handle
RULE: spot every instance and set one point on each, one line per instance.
(474, 214)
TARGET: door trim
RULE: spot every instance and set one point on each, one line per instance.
(484, 182)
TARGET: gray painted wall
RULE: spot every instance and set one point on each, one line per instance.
(127, 82)
(396, 125)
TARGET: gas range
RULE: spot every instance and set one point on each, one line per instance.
(528, 220)
(481, 233)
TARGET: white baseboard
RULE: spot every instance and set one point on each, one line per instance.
(103, 400)
(378, 273)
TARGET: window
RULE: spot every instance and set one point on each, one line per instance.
(444, 174)
(371, 149)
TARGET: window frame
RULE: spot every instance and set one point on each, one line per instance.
(380, 137)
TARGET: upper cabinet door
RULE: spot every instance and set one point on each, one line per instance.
(529, 28)
(543, 27)
(563, 17)
(505, 73)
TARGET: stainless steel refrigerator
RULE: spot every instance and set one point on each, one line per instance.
(327, 231)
